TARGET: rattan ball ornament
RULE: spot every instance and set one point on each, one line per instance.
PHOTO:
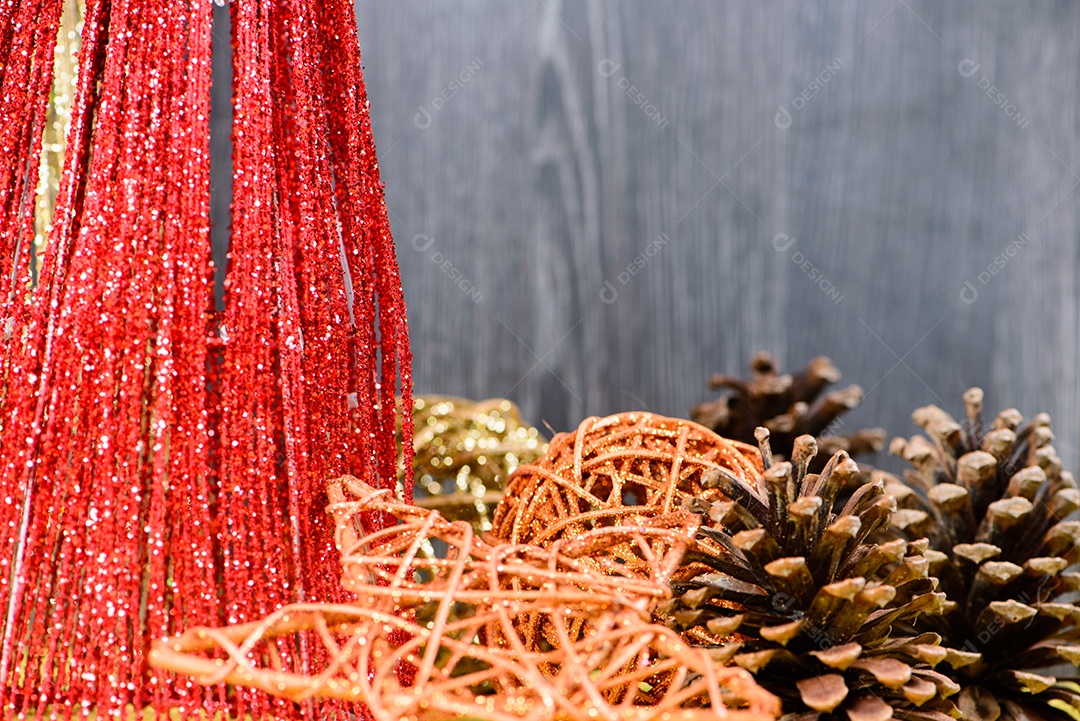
(611, 471)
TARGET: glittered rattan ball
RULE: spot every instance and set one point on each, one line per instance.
(613, 471)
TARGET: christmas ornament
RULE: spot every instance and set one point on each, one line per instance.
(789, 406)
(164, 465)
(781, 585)
(611, 470)
(461, 630)
(993, 502)
(464, 451)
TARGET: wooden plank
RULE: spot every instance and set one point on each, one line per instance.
(533, 151)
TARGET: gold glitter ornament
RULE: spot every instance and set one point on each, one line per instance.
(464, 451)
(437, 638)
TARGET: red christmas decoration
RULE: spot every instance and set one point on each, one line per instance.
(161, 465)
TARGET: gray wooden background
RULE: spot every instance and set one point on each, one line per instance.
(598, 204)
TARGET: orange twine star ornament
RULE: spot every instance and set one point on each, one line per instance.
(463, 627)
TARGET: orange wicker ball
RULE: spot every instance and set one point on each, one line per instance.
(616, 471)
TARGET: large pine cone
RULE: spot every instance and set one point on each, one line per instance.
(794, 592)
(993, 502)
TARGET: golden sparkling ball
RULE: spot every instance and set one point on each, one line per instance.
(464, 452)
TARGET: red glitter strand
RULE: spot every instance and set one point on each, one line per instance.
(368, 241)
(27, 38)
(156, 473)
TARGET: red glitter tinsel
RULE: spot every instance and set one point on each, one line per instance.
(161, 465)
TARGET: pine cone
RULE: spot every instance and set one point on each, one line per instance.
(786, 588)
(993, 503)
(789, 406)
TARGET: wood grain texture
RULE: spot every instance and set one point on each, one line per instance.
(532, 149)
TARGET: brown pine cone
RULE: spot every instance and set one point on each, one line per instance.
(993, 503)
(794, 592)
(789, 406)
